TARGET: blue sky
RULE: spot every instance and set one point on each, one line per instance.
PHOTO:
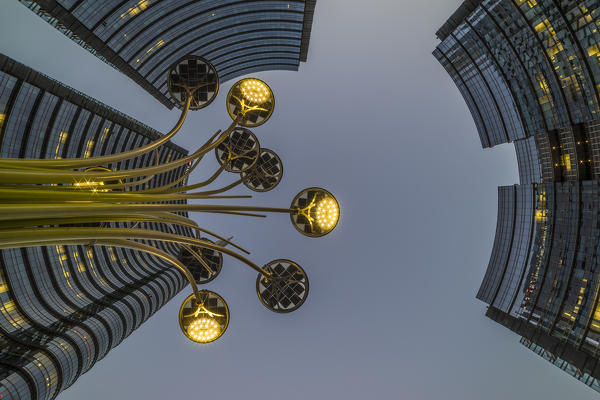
(392, 312)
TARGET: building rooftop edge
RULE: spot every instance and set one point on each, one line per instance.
(88, 39)
(23, 72)
(309, 13)
(463, 11)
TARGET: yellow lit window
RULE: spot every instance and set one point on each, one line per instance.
(80, 264)
(89, 147)
(113, 256)
(104, 135)
(540, 215)
(151, 49)
(135, 10)
(547, 97)
(565, 161)
(10, 312)
(62, 138)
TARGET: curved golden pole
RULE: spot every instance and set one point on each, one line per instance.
(17, 176)
(189, 171)
(170, 189)
(13, 238)
(10, 212)
(71, 188)
(216, 191)
(198, 258)
(124, 244)
(93, 161)
(51, 196)
(95, 219)
(130, 244)
(221, 238)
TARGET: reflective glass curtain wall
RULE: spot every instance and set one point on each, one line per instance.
(62, 308)
(529, 72)
(143, 38)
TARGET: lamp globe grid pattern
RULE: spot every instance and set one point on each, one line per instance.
(252, 101)
(239, 152)
(317, 212)
(204, 264)
(204, 318)
(56, 202)
(286, 289)
(266, 173)
(196, 77)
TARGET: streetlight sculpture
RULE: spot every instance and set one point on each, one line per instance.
(78, 201)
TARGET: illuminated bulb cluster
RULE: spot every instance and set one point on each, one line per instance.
(255, 91)
(327, 213)
(204, 330)
(90, 183)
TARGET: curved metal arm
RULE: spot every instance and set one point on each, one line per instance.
(189, 171)
(217, 191)
(93, 161)
(27, 176)
(159, 253)
(48, 195)
(97, 220)
(129, 244)
(195, 185)
(10, 212)
(13, 238)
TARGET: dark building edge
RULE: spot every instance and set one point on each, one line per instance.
(52, 8)
(559, 348)
(309, 13)
(58, 89)
(466, 8)
(55, 10)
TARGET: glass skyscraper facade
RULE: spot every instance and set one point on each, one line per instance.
(529, 71)
(144, 38)
(62, 308)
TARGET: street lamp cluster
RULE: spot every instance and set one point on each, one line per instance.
(80, 201)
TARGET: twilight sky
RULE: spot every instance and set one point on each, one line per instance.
(392, 312)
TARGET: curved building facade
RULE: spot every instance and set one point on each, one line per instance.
(63, 308)
(143, 38)
(529, 72)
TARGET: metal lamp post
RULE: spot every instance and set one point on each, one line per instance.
(74, 201)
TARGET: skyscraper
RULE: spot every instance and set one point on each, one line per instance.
(143, 38)
(529, 72)
(62, 308)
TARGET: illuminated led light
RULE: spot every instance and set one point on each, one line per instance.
(327, 213)
(204, 330)
(255, 91)
(92, 185)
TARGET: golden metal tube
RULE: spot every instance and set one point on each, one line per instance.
(28, 211)
(93, 161)
(13, 238)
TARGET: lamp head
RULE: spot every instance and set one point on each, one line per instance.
(252, 100)
(212, 258)
(265, 174)
(316, 212)
(96, 185)
(206, 320)
(239, 151)
(285, 289)
(193, 76)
